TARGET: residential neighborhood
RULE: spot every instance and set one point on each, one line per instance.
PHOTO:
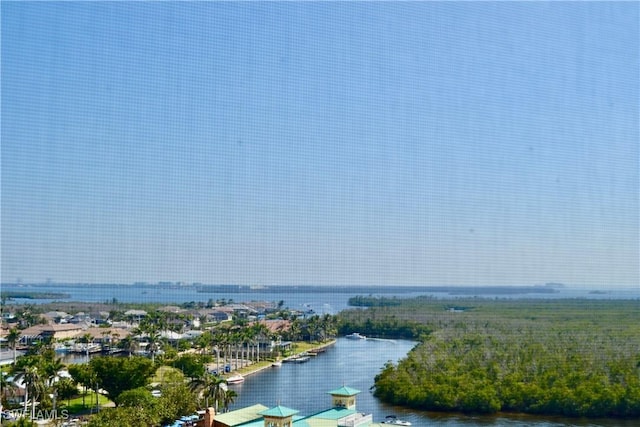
(206, 342)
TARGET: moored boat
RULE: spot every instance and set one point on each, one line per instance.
(298, 359)
(393, 420)
(356, 336)
(86, 348)
(235, 379)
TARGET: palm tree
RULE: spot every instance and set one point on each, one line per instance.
(51, 369)
(228, 399)
(34, 386)
(153, 340)
(313, 326)
(83, 375)
(260, 332)
(128, 344)
(236, 339)
(149, 330)
(244, 336)
(219, 341)
(295, 329)
(329, 326)
(12, 339)
(8, 388)
(210, 386)
(86, 339)
(155, 321)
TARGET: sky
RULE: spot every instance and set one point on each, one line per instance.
(337, 143)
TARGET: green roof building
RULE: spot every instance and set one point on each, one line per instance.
(239, 417)
(344, 397)
(342, 414)
(278, 416)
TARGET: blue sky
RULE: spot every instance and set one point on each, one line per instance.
(425, 143)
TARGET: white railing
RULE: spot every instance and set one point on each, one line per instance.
(355, 420)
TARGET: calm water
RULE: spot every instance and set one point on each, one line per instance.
(320, 302)
(304, 387)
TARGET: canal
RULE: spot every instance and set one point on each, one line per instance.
(355, 363)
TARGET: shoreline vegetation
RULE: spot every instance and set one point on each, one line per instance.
(11, 295)
(576, 358)
(543, 289)
(569, 357)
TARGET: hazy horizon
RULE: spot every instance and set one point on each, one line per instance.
(415, 143)
(355, 285)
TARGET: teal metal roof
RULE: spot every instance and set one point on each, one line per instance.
(334, 413)
(260, 422)
(344, 391)
(241, 416)
(279, 412)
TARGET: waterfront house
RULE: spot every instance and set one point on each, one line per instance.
(57, 317)
(54, 332)
(107, 336)
(215, 315)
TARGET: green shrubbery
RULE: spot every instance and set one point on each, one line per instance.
(573, 358)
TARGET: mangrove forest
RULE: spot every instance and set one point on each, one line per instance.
(578, 358)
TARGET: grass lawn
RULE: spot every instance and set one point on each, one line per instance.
(75, 405)
(302, 346)
(254, 367)
(167, 374)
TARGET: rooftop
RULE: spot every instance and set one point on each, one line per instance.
(241, 416)
(279, 412)
(344, 391)
(253, 416)
(334, 414)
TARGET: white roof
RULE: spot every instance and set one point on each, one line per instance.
(170, 335)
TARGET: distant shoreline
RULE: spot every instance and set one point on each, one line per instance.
(225, 288)
(322, 299)
(33, 295)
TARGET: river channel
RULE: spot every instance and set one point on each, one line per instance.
(355, 363)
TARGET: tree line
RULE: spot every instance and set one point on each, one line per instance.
(578, 358)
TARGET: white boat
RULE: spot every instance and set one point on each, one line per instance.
(393, 420)
(277, 363)
(235, 379)
(299, 359)
(356, 336)
(86, 348)
(61, 348)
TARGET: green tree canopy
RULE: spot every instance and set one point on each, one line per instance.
(123, 417)
(139, 398)
(118, 374)
(191, 365)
